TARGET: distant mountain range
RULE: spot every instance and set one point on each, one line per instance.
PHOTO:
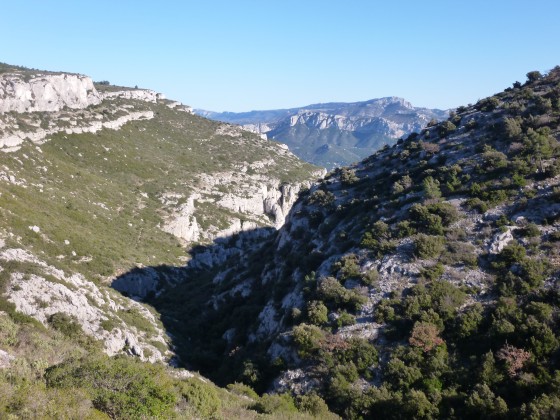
(337, 133)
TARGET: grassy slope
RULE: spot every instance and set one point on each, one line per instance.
(100, 191)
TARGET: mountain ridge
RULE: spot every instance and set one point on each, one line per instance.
(336, 133)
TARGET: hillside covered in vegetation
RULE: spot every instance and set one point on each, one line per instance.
(419, 283)
(97, 180)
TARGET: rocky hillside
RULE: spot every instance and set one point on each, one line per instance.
(95, 181)
(336, 134)
(419, 283)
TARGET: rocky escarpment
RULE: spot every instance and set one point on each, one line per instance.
(36, 106)
(46, 92)
(260, 200)
(335, 134)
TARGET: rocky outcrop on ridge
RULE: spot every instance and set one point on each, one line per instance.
(36, 106)
(46, 92)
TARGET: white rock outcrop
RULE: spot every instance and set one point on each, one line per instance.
(145, 95)
(13, 140)
(53, 291)
(47, 92)
(500, 241)
(184, 225)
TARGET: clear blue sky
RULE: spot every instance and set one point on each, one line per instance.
(264, 54)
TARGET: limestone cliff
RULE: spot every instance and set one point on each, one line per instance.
(46, 92)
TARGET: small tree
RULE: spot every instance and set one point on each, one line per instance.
(431, 188)
(533, 76)
(425, 336)
(515, 359)
(427, 246)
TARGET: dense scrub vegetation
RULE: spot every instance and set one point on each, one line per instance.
(60, 372)
(421, 283)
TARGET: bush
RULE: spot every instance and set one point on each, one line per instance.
(488, 104)
(446, 128)
(533, 76)
(275, 404)
(321, 198)
(348, 267)
(336, 295)
(121, 387)
(424, 221)
(308, 339)
(477, 204)
(317, 313)
(432, 273)
(240, 389)
(314, 405)
(493, 160)
(447, 212)
(66, 324)
(426, 246)
(202, 397)
(431, 188)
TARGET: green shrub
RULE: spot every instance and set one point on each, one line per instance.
(348, 176)
(492, 160)
(348, 267)
(121, 387)
(446, 211)
(308, 339)
(321, 198)
(275, 404)
(531, 231)
(8, 331)
(446, 128)
(336, 295)
(314, 405)
(66, 324)
(240, 389)
(433, 272)
(477, 204)
(470, 320)
(317, 313)
(378, 247)
(202, 397)
(431, 188)
(426, 246)
(424, 221)
(345, 319)
(488, 104)
(533, 76)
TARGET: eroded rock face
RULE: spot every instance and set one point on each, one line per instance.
(138, 94)
(46, 93)
(265, 201)
(67, 99)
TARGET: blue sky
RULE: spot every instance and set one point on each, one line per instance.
(265, 54)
